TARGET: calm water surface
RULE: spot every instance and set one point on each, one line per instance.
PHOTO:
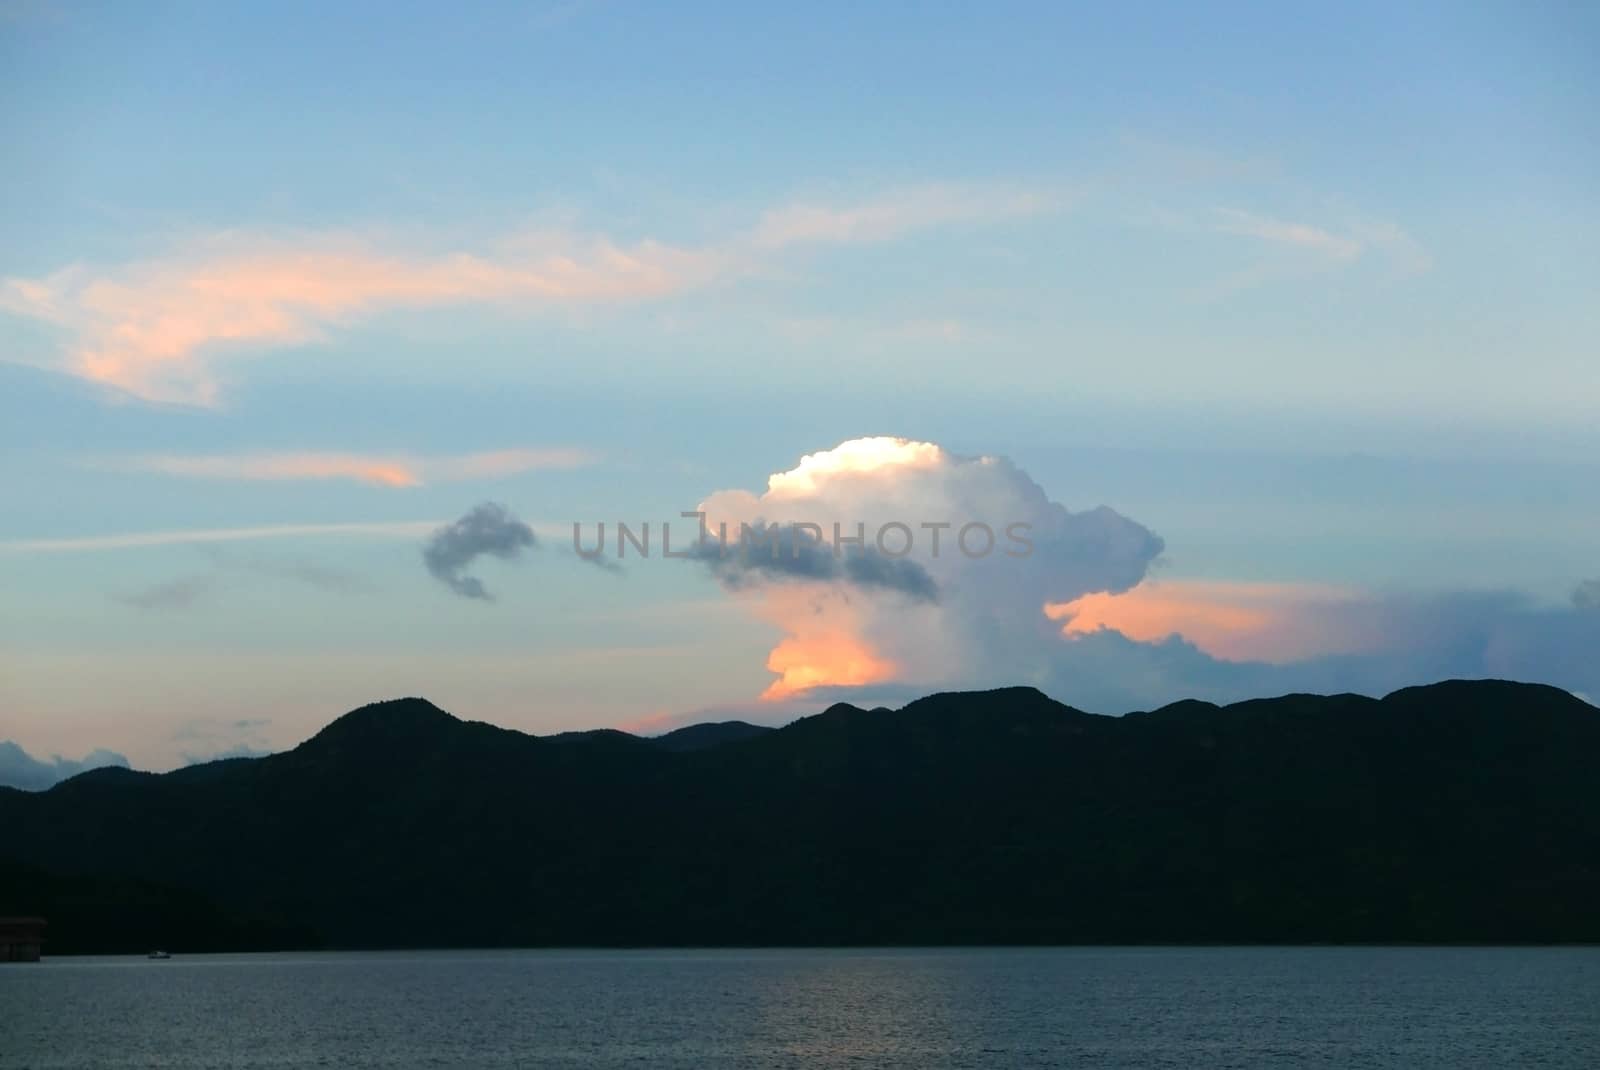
(1227, 1007)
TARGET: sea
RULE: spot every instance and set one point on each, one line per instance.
(920, 1008)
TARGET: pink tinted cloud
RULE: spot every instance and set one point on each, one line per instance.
(155, 329)
(400, 470)
(286, 466)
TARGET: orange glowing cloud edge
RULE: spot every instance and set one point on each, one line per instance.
(824, 642)
(839, 659)
(1231, 620)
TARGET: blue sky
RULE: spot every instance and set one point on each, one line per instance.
(1308, 295)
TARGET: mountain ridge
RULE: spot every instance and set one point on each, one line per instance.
(413, 712)
(1460, 811)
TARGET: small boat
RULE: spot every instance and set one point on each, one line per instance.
(159, 955)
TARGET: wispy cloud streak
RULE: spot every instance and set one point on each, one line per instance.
(1342, 245)
(1281, 232)
(404, 529)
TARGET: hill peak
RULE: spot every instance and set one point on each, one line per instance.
(388, 721)
(410, 710)
(1482, 691)
(1005, 699)
(709, 734)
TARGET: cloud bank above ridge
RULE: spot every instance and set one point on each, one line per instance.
(1079, 615)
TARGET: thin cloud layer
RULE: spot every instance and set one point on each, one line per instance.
(180, 593)
(291, 569)
(487, 529)
(186, 592)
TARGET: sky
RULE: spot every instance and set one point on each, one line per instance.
(321, 327)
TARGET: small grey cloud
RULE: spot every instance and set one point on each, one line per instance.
(792, 552)
(19, 769)
(488, 528)
(180, 593)
(207, 739)
(1587, 595)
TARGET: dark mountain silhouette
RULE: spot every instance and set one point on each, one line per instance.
(1460, 812)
